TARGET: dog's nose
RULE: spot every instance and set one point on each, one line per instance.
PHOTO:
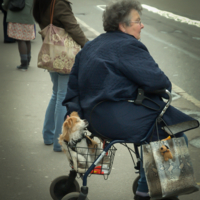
(161, 148)
(86, 122)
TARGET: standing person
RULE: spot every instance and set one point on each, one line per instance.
(5, 26)
(64, 18)
(108, 72)
(21, 27)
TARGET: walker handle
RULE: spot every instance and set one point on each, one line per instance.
(168, 101)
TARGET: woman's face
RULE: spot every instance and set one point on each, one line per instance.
(135, 25)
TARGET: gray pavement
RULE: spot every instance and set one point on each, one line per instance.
(178, 7)
(27, 166)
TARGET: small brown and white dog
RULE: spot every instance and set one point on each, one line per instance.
(79, 148)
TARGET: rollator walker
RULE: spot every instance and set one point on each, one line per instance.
(67, 188)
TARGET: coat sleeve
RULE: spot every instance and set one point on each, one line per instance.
(136, 63)
(5, 4)
(64, 13)
(72, 98)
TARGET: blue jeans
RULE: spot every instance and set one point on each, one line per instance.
(55, 112)
(142, 183)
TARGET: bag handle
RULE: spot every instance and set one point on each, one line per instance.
(52, 10)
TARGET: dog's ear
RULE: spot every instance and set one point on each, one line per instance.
(67, 125)
(75, 114)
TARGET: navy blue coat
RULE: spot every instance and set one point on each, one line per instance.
(107, 72)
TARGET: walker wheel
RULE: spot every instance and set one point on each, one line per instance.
(135, 185)
(59, 187)
(72, 196)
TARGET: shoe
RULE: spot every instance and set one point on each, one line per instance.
(170, 198)
(57, 150)
(29, 60)
(137, 197)
(23, 66)
(48, 143)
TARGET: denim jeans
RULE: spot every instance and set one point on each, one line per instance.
(55, 112)
(142, 183)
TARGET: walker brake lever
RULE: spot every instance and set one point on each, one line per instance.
(141, 97)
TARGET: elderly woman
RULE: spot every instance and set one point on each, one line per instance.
(108, 72)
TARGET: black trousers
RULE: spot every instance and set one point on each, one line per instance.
(5, 26)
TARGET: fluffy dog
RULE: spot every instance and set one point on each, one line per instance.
(79, 148)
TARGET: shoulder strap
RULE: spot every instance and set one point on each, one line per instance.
(52, 10)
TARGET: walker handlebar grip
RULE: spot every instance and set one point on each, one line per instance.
(158, 91)
(168, 101)
(163, 91)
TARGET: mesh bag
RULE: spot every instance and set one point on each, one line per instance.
(103, 164)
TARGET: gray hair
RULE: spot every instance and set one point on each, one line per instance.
(119, 12)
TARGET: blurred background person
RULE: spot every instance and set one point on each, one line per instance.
(63, 18)
(21, 28)
(5, 25)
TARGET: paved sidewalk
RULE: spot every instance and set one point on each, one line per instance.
(194, 140)
(27, 166)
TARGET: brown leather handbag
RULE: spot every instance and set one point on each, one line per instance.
(58, 50)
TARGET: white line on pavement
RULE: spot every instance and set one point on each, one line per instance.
(166, 14)
(185, 95)
(170, 15)
(171, 45)
(88, 27)
(101, 7)
(175, 88)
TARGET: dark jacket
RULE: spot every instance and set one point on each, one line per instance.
(64, 18)
(24, 16)
(107, 72)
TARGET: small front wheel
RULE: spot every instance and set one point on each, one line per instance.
(72, 196)
(60, 187)
(135, 185)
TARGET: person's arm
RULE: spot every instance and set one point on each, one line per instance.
(136, 63)
(65, 15)
(5, 4)
(72, 99)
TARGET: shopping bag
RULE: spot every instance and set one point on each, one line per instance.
(174, 177)
(58, 50)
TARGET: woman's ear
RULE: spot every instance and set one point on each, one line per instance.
(122, 27)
